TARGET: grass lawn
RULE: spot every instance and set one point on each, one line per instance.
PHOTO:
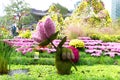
(85, 72)
(89, 68)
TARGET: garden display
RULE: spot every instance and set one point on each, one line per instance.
(82, 46)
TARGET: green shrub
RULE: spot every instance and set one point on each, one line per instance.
(26, 34)
(118, 37)
(113, 38)
(95, 36)
(30, 61)
(21, 60)
(46, 55)
(105, 38)
(48, 59)
(5, 52)
(108, 38)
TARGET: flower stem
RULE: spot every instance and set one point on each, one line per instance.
(53, 45)
(73, 65)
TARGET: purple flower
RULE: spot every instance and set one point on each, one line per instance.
(24, 52)
(111, 54)
(95, 54)
(89, 51)
(51, 50)
(8, 42)
(29, 50)
(20, 49)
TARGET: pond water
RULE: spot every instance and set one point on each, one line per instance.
(19, 71)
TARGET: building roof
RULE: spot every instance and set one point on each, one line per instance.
(38, 12)
(43, 13)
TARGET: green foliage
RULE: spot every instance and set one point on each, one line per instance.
(27, 19)
(80, 9)
(105, 37)
(18, 7)
(94, 21)
(48, 59)
(90, 12)
(97, 5)
(26, 34)
(24, 77)
(106, 34)
(57, 8)
(31, 61)
(28, 59)
(6, 21)
(4, 33)
(50, 39)
(87, 59)
(62, 42)
(5, 52)
(77, 43)
(108, 38)
(118, 37)
(95, 36)
(85, 72)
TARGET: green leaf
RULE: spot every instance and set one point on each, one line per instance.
(73, 64)
(44, 43)
(54, 36)
(62, 42)
(47, 41)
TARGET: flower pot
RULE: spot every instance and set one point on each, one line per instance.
(3, 66)
(63, 67)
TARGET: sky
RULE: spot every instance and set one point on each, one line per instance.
(108, 5)
(44, 4)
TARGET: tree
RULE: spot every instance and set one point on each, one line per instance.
(6, 21)
(58, 8)
(92, 12)
(27, 19)
(17, 9)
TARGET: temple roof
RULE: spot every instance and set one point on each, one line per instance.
(38, 12)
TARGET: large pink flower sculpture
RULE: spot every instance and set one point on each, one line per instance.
(44, 30)
(45, 34)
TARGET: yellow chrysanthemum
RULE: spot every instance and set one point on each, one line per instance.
(77, 43)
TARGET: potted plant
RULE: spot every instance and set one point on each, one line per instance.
(5, 52)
